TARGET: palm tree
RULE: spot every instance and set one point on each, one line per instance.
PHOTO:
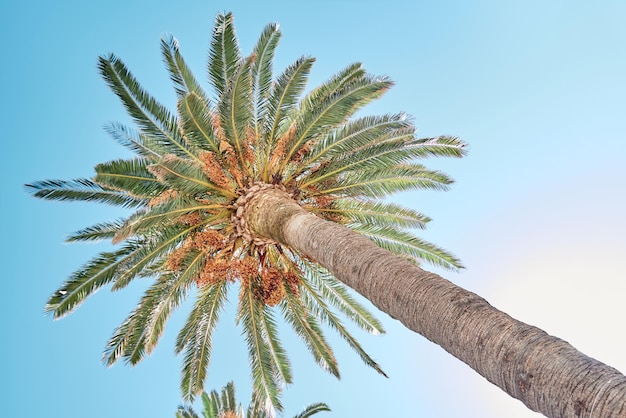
(258, 185)
(225, 405)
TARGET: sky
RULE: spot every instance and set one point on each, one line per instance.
(537, 89)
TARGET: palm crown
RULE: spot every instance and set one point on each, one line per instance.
(191, 179)
(225, 405)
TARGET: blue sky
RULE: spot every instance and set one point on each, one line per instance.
(536, 88)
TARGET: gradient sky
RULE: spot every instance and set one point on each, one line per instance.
(537, 88)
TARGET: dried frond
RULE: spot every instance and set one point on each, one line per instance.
(213, 169)
(163, 197)
(279, 151)
(233, 166)
(209, 240)
(299, 155)
(248, 152)
(217, 128)
(248, 267)
(270, 289)
(293, 281)
(176, 257)
(323, 201)
(214, 271)
(190, 219)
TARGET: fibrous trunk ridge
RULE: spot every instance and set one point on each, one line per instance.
(241, 211)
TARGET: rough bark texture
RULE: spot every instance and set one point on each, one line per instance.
(546, 373)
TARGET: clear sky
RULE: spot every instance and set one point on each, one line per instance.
(537, 88)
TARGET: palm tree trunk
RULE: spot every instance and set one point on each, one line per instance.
(546, 373)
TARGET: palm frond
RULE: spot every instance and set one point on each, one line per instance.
(211, 404)
(180, 74)
(440, 146)
(140, 332)
(314, 303)
(282, 102)
(126, 341)
(229, 399)
(234, 109)
(170, 295)
(131, 176)
(386, 181)
(351, 74)
(186, 176)
(392, 148)
(319, 115)
(308, 329)
(165, 214)
(82, 189)
(224, 54)
(156, 247)
(281, 366)
(195, 338)
(262, 71)
(264, 372)
(376, 213)
(97, 232)
(186, 412)
(405, 244)
(313, 409)
(99, 272)
(154, 119)
(196, 117)
(352, 135)
(133, 140)
(337, 295)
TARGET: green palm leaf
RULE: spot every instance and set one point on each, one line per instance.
(224, 55)
(133, 140)
(281, 365)
(220, 405)
(82, 189)
(338, 296)
(212, 404)
(390, 149)
(154, 119)
(234, 108)
(140, 333)
(196, 116)
(180, 74)
(281, 103)
(308, 329)
(315, 303)
(154, 249)
(386, 181)
(162, 215)
(131, 176)
(313, 409)
(376, 213)
(405, 244)
(195, 338)
(98, 232)
(262, 71)
(186, 412)
(100, 271)
(263, 367)
(186, 176)
(333, 110)
(170, 295)
(352, 135)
